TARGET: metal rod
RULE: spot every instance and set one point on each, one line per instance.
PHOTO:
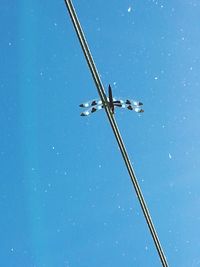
(115, 129)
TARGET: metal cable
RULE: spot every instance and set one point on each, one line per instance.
(115, 129)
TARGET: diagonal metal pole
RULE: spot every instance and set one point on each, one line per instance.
(115, 129)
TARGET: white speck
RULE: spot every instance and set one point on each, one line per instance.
(99, 166)
(9, 43)
(119, 207)
(114, 83)
(146, 248)
(161, 6)
(55, 24)
(156, 78)
(116, 242)
(184, 118)
(53, 147)
(170, 156)
(184, 83)
(12, 249)
(65, 173)
(129, 9)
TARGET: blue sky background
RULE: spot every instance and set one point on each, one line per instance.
(65, 196)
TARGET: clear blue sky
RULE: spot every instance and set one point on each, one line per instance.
(66, 199)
